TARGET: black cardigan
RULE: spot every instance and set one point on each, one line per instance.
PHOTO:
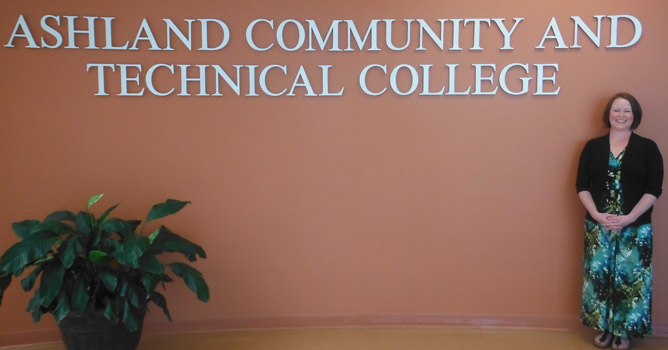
(642, 172)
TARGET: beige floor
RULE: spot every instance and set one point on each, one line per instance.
(377, 339)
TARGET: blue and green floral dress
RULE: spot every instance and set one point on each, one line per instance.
(617, 287)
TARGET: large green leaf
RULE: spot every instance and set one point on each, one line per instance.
(62, 215)
(150, 264)
(131, 250)
(168, 207)
(193, 279)
(128, 318)
(51, 281)
(115, 225)
(56, 227)
(121, 227)
(29, 282)
(160, 300)
(24, 228)
(15, 259)
(109, 280)
(135, 295)
(35, 306)
(150, 281)
(80, 297)
(34, 302)
(5, 281)
(62, 308)
(85, 222)
(69, 250)
(168, 241)
(33, 248)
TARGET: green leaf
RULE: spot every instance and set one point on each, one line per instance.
(150, 264)
(35, 247)
(24, 228)
(160, 300)
(29, 282)
(80, 297)
(15, 259)
(123, 286)
(109, 311)
(63, 307)
(150, 281)
(94, 200)
(193, 279)
(51, 282)
(129, 318)
(85, 222)
(69, 250)
(136, 296)
(56, 227)
(153, 235)
(121, 227)
(97, 257)
(60, 216)
(34, 302)
(109, 280)
(94, 238)
(37, 315)
(131, 250)
(106, 213)
(5, 281)
(134, 224)
(42, 261)
(168, 241)
(168, 207)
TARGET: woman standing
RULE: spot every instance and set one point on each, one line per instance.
(619, 178)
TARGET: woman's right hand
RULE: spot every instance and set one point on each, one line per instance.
(609, 221)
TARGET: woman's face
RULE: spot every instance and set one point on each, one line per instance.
(621, 115)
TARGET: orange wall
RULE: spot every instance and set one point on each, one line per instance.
(354, 209)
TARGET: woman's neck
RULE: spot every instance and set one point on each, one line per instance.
(618, 141)
(620, 135)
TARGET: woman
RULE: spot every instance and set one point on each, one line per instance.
(619, 178)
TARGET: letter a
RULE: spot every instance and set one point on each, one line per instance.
(21, 23)
(557, 36)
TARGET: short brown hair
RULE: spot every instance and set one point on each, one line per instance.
(635, 109)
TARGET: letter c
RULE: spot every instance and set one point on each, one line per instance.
(249, 34)
(363, 79)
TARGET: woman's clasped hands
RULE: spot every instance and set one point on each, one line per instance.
(614, 222)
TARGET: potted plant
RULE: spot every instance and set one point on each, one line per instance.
(99, 272)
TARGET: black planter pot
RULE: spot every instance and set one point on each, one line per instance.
(95, 332)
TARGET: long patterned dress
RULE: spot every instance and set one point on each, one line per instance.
(617, 287)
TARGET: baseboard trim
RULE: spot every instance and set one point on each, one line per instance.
(332, 321)
(234, 324)
(385, 320)
(39, 336)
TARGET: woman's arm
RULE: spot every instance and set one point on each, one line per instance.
(617, 222)
(588, 202)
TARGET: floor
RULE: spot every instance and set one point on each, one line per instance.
(376, 339)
